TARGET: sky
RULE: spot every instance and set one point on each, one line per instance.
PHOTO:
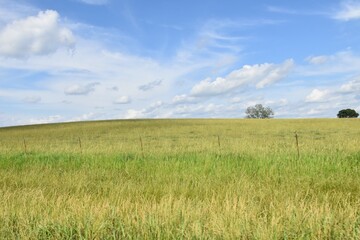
(79, 60)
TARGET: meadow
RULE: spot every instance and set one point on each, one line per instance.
(181, 179)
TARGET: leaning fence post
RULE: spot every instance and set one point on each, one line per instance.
(297, 144)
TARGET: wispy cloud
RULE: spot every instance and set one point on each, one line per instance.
(283, 10)
(317, 59)
(32, 99)
(352, 86)
(340, 62)
(95, 2)
(150, 85)
(350, 10)
(123, 100)
(42, 120)
(317, 95)
(184, 99)
(150, 111)
(78, 89)
(260, 74)
(14, 10)
(290, 11)
(276, 73)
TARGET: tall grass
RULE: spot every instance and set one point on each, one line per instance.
(181, 184)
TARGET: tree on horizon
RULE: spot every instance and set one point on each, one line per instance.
(259, 111)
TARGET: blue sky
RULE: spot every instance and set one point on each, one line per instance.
(74, 60)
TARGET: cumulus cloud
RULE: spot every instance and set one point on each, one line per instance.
(122, 100)
(260, 74)
(317, 95)
(35, 35)
(350, 10)
(77, 89)
(150, 85)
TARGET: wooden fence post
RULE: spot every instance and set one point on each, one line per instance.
(80, 144)
(142, 147)
(297, 144)
(25, 147)
(218, 137)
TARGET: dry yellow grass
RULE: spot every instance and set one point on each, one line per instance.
(182, 184)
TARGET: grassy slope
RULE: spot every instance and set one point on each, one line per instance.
(181, 183)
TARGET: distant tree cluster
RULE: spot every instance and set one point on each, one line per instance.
(347, 113)
(259, 111)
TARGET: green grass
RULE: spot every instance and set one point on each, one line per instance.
(181, 184)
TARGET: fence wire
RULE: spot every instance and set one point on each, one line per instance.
(250, 142)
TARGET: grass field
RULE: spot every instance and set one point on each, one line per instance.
(181, 179)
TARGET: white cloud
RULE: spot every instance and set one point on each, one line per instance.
(151, 111)
(317, 59)
(114, 88)
(352, 86)
(32, 99)
(276, 73)
(259, 74)
(350, 10)
(282, 10)
(85, 117)
(198, 110)
(12, 10)
(181, 99)
(276, 9)
(122, 100)
(95, 2)
(236, 100)
(154, 106)
(35, 35)
(314, 111)
(317, 95)
(43, 120)
(150, 85)
(283, 102)
(77, 89)
(340, 62)
(133, 114)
